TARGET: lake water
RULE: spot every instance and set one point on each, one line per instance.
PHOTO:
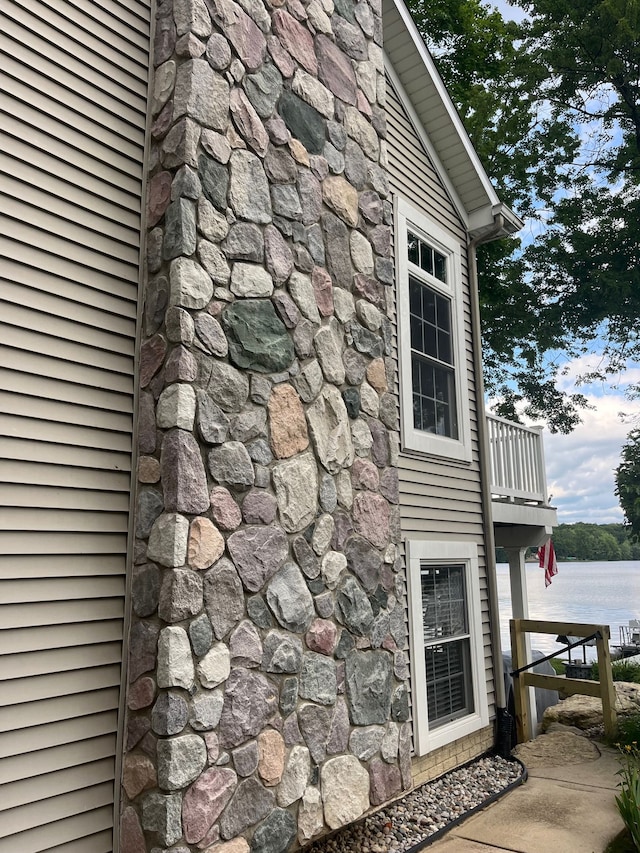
(598, 593)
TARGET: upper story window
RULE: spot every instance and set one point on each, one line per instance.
(434, 395)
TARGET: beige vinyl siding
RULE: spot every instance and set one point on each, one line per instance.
(73, 110)
(439, 499)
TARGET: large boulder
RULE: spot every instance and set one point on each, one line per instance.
(585, 712)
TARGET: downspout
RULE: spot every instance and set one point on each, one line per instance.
(485, 468)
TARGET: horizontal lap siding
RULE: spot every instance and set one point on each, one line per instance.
(439, 500)
(73, 112)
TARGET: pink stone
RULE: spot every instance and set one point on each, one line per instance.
(181, 366)
(385, 781)
(141, 693)
(335, 70)
(204, 801)
(363, 104)
(296, 39)
(213, 747)
(224, 509)
(364, 475)
(248, 122)
(371, 518)
(236, 845)
(287, 422)
(152, 353)
(271, 756)
(206, 544)
(323, 290)
(259, 507)
(389, 643)
(321, 636)
(131, 834)
(138, 774)
(371, 289)
(242, 32)
(377, 375)
(162, 124)
(159, 197)
(210, 838)
(286, 66)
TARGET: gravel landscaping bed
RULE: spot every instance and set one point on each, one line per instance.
(425, 811)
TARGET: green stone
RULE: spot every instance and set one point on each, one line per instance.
(215, 181)
(258, 340)
(304, 122)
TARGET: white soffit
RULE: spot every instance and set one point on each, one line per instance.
(411, 65)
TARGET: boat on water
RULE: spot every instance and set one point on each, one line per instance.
(629, 639)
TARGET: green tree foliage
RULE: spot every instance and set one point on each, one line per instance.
(553, 107)
(628, 483)
(584, 541)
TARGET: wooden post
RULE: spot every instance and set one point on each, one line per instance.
(607, 689)
(519, 659)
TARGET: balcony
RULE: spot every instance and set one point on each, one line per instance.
(521, 511)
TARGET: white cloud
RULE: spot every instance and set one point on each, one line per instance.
(581, 466)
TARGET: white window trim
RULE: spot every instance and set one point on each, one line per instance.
(439, 553)
(415, 440)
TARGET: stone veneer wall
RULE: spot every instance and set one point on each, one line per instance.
(267, 700)
(452, 755)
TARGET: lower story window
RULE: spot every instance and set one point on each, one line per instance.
(447, 657)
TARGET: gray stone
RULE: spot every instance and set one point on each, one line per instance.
(369, 680)
(162, 814)
(324, 605)
(275, 833)
(245, 242)
(249, 702)
(340, 728)
(290, 600)
(142, 649)
(180, 761)
(279, 259)
(190, 285)
(355, 165)
(350, 39)
(353, 607)
(258, 612)
(145, 589)
(364, 561)
(170, 714)
(329, 427)
(250, 803)
(365, 742)
(329, 351)
(206, 709)
(263, 89)
(250, 280)
(258, 553)
(258, 339)
(176, 406)
(315, 725)
(282, 653)
(305, 557)
(214, 178)
(260, 452)
(213, 424)
(212, 224)
(288, 696)
(179, 229)
(175, 664)
(346, 644)
(249, 188)
(390, 743)
(180, 595)
(286, 201)
(168, 540)
(316, 244)
(336, 238)
(218, 52)
(201, 635)
(304, 122)
(210, 335)
(280, 166)
(309, 382)
(223, 597)
(351, 397)
(334, 158)
(215, 666)
(318, 679)
(310, 191)
(183, 476)
(228, 387)
(295, 776)
(296, 485)
(231, 465)
(355, 366)
(366, 341)
(245, 646)
(201, 94)
(400, 705)
(245, 758)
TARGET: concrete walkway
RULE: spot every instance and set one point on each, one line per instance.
(560, 809)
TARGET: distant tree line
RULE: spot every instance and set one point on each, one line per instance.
(583, 541)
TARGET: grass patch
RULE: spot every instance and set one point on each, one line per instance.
(559, 666)
(621, 670)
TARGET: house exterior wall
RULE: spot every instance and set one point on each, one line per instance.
(267, 700)
(440, 500)
(73, 102)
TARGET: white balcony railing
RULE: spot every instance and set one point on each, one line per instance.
(517, 462)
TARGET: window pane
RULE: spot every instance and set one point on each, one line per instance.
(426, 258)
(413, 251)
(416, 333)
(444, 313)
(430, 340)
(443, 602)
(415, 297)
(428, 305)
(440, 267)
(449, 693)
(444, 347)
